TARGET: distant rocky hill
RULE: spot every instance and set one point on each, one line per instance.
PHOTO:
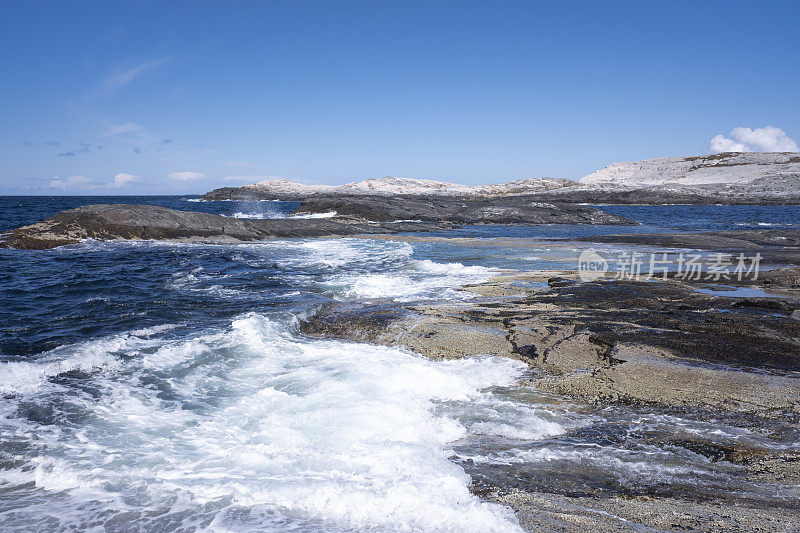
(732, 178)
(724, 168)
(280, 189)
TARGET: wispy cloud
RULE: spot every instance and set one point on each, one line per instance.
(186, 176)
(71, 182)
(128, 129)
(121, 78)
(769, 139)
(39, 143)
(122, 179)
(66, 154)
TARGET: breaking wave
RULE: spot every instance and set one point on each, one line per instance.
(250, 427)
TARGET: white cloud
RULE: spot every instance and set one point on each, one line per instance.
(122, 179)
(72, 182)
(122, 78)
(769, 139)
(187, 176)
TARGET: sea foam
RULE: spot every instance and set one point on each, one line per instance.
(254, 427)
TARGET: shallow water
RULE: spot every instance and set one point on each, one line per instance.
(166, 387)
(741, 292)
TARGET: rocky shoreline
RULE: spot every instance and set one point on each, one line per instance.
(658, 346)
(634, 341)
(669, 346)
(381, 216)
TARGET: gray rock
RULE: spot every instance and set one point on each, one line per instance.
(367, 215)
(783, 277)
(124, 221)
(608, 342)
(727, 178)
(499, 210)
(780, 245)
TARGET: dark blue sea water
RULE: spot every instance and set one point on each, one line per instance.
(18, 211)
(159, 386)
(21, 210)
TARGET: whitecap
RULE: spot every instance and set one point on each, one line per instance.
(263, 426)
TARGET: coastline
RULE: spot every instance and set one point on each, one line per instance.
(587, 343)
(616, 351)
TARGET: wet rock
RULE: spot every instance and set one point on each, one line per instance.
(720, 452)
(539, 511)
(436, 332)
(559, 282)
(629, 342)
(659, 347)
(773, 244)
(783, 277)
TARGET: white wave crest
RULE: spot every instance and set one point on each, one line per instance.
(254, 216)
(26, 377)
(327, 214)
(268, 430)
(422, 279)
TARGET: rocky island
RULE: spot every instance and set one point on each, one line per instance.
(727, 178)
(364, 215)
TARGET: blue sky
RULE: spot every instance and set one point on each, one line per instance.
(180, 97)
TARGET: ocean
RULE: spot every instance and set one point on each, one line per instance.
(161, 386)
